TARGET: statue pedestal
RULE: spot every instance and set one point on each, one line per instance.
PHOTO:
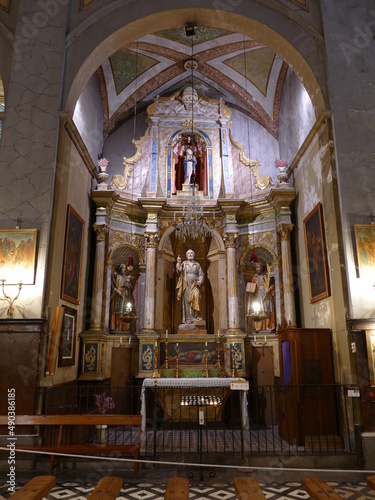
(196, 327)
(192, 331)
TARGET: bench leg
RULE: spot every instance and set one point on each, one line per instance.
(51, 460)
(136, 464)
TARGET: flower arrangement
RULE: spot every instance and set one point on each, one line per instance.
(281, 163)
(104, 403)
(102, 163)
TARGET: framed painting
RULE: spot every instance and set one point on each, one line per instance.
(72, 264)
(365, 243)
(317, 268)
(17, 256)
(68, 337)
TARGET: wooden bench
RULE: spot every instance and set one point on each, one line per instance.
(36, 489)
(318, 489)
(371, 482)
(247, 488)
(108, 488)
(177, 489)
(85, 448)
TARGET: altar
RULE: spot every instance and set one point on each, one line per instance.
(181, 398)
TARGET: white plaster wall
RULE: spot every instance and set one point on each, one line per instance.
(349, 29)
(88, 118)
(119, 145)
(296, 116)
(30, 128)
(258, 143)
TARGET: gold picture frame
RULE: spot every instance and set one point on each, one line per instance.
(17, 255)
(317, 267)
(364, 238)
(73, 251)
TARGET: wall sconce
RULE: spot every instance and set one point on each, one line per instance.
(6, 297)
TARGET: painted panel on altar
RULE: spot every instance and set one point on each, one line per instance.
(191, 354)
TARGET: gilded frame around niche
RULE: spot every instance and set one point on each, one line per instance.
(317, 267)
(364, 236)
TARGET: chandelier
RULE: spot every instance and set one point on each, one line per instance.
(193, 225)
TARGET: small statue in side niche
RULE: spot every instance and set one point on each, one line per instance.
(123, 302)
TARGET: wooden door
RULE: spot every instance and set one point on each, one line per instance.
(122, 378)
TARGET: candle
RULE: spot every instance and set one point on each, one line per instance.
(206, 344)
(218, 333)
(174, 216)
(130, 340)
(156, 343)
(177, 344)
(166, 334)
(120, 340)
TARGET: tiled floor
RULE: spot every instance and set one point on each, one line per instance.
(77, 485)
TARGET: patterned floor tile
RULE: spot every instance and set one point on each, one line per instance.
(214, 490)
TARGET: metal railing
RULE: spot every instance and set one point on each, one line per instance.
(266, 420)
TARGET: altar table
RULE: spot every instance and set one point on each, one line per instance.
(192, 383)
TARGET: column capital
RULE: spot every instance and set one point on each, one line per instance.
(101, 231)
(230, 240)
(284, 231)
(152, 240)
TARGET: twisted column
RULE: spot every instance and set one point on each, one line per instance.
(284, 231)
(152, 240)
(97, 289)
(232, 281)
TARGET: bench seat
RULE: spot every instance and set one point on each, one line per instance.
(86, 448)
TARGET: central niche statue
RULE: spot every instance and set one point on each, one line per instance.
(190, 279)
(190, 163)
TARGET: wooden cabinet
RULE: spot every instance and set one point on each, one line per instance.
(307, 405)
(262, 405)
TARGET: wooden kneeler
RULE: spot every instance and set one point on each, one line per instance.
(36, 489)
(108, 488)
(247, 488)
(177, 489)
(318, 489)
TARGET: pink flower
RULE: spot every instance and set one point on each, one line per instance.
(104, 403)
(103, 163)
(281, 163)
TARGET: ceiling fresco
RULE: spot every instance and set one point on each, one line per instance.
(247, 75)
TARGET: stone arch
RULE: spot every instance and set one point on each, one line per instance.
(107, 43)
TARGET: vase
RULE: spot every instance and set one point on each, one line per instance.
(101, 434)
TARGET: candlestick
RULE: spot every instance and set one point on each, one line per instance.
(177, 372)
(155, 373)
(205, 359)
(234, 370)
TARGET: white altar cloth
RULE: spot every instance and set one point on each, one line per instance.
(191, 382)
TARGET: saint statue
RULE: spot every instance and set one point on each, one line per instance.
(123, 301)
(190, 279)
(262, 291)
(189, 166)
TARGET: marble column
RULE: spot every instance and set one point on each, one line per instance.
(152, 240)
(232, 281)
(284, 231)
(98, 284)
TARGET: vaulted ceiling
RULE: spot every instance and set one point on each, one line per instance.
(247, 75)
